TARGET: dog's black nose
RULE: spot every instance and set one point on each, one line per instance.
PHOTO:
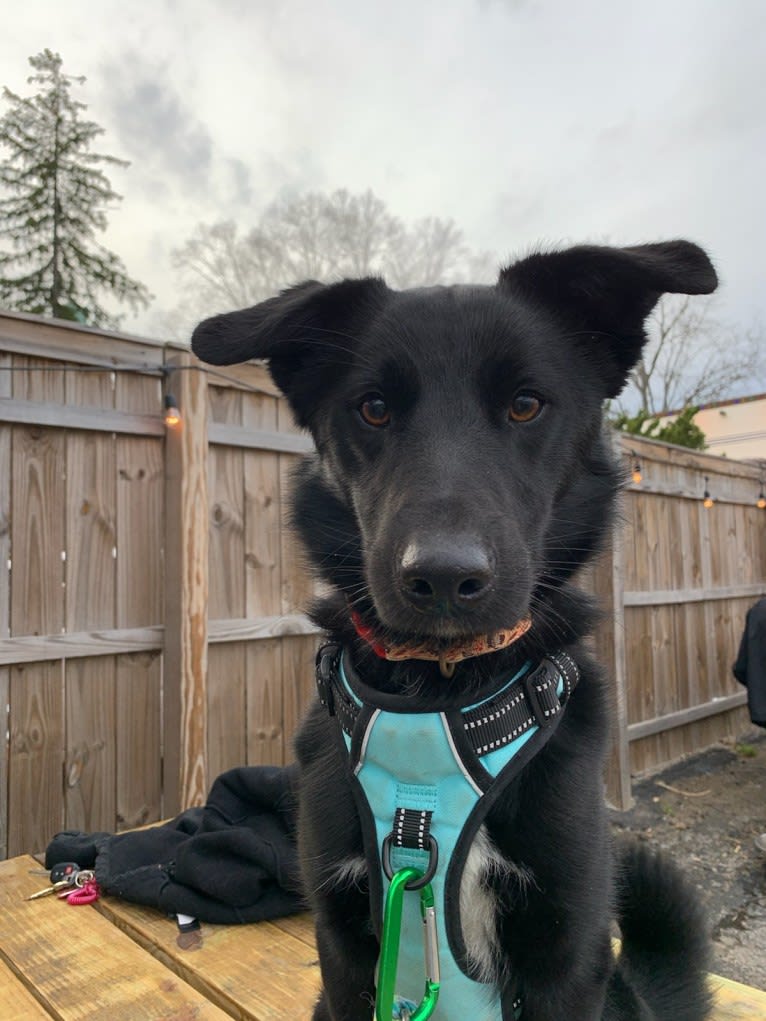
(448, 573)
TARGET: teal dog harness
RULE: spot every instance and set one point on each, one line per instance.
(424, 783)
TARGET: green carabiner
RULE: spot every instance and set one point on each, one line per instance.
(389, 948)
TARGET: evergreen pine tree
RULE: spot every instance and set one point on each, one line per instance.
(53, 201)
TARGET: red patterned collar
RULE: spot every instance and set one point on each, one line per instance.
(430, 649)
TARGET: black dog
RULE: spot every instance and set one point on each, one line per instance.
(461, 479)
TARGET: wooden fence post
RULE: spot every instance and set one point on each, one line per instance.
(610, 647)
(621, 793)
(185, 777)
(5, 600)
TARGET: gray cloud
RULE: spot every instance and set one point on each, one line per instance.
(154, 126)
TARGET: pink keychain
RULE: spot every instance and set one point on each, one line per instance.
(85, 894)
(85, 889)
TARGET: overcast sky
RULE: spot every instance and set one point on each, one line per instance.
(526, 121)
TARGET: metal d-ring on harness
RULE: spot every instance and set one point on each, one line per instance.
(429, 771)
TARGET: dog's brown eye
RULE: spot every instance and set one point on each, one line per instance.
(524, 407)
(374, 411)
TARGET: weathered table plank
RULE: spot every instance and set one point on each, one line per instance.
(735, 1002)
(255, 972)
(17, 1002)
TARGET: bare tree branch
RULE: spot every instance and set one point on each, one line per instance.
(692, 357)
(316, 236)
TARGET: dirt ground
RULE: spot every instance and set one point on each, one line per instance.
(706, 811)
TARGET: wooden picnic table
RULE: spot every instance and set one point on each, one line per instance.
(114, 961)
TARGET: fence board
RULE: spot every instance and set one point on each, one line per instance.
(35, 803)
(225, 405)
(635, 566)
(261, 411)
(227, 533)
(138, 739)
(140, 503)
(265, 704)
(660, 597)
(260, 627)
(37, 382)
(226, 707)
(70, 342)
(138, 394)
(638, 672)
(690, 663)
(250, 376)
(91, 538)
(32, 649)
(298, 685)
(91, 389)
(264, 516)
(705, 622)
(234, 436)
(60, 416)
(263, 523)
(37, 531)
(90, 765)
(297, 584)
(726, 725)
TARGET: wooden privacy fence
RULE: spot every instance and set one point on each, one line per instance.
(151, 632)
(678, 579)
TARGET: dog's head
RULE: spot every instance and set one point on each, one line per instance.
(460, 474)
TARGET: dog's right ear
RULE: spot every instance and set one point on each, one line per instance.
(304, 331)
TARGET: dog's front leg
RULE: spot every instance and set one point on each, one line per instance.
(556, 893)
(348, 952)
(335, 874)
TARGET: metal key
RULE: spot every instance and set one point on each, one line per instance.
(62, 884)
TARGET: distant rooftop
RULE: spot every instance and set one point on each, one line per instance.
(716, 404)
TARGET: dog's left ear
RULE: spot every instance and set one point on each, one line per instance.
(607, 293)
(305, 331)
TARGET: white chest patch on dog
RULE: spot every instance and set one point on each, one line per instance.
(345, 874)
(477, 904)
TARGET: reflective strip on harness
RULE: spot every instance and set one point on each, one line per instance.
(412, 827)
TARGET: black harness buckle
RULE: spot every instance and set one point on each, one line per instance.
(326, 661)
(540, 688)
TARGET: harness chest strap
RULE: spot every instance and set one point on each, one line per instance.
(424, 782)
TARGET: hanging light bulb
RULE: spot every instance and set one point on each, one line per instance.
(172, 414)
(707, 499)
(760, 503)
(635, 467)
